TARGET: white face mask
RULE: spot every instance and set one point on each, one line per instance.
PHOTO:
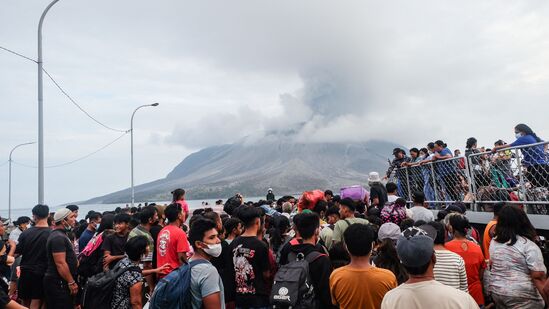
(214, 250)
(518, 135)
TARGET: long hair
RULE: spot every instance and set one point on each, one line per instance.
(521, 127)
(513, 222)
(387, 258)
(281, 224)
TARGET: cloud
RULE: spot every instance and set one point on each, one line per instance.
(408, 72)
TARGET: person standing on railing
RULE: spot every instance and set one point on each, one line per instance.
(534, 157)
(400, 158)
(446, 170)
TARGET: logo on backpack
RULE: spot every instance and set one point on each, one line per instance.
(282, 295)
(292, 286)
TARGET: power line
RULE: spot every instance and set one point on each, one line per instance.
(64, 92)
(79, 107)
(18, 54)
(78, 159)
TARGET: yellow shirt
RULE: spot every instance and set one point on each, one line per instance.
(353, 288)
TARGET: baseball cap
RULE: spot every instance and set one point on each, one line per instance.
(397, 150)
(61, 214)
(457, 207)
(388, 230)
(415, 247)
(429, 230)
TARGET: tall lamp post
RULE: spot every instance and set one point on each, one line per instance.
(131, 131)
(9, 177)
(40, 109)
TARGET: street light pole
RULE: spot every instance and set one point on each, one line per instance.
(40, 109)
(131, 151)
(9, 177)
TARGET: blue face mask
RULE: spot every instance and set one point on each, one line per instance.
(518, 135)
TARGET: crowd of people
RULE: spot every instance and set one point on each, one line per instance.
(491, 169)
(360, 249)
(318, 251)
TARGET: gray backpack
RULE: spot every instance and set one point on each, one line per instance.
(292, 287)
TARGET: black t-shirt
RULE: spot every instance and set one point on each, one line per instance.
(378, 191)
(250, 260)
(32, 248)
(115, 244)
(320, 271)
(59, 242)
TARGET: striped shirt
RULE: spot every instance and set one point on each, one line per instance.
(450, 270)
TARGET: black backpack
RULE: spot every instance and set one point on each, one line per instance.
(292, 287)
(99, 289)
(90, 265)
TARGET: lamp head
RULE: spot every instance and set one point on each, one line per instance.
(155, 104)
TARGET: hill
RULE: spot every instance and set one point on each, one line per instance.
(220, 171)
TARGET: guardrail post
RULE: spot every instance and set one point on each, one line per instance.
(408, 185)
(522, 187)
(434, 181)
(471, 179)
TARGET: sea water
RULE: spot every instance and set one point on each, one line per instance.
(85, 208)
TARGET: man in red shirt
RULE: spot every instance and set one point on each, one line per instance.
(172, 243)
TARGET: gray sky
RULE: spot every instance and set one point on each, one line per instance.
(408, 72)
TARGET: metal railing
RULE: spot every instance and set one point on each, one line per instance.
(518, 175)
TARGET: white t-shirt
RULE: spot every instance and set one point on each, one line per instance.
(427, 294)
(511, 267)
(392, 198)
(422, 213)
(14, 235)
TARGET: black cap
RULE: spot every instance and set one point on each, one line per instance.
(397, 151)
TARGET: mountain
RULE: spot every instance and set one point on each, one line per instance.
(221, 171)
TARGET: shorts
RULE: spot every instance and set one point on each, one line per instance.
(57, 293)
(507, 301)
(30, 285)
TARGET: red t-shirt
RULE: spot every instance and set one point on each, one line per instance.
(184, 205)
(474, 262)
(171, 240)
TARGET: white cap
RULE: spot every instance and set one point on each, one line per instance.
(61, 214)
(374, 177)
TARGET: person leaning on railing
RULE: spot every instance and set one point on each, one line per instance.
(447, 170)
(534, 157)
